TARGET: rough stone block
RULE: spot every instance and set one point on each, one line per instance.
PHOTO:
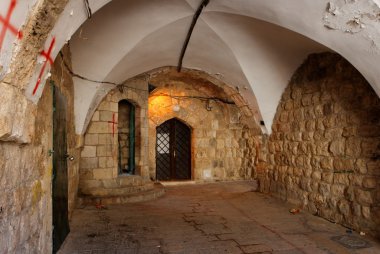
(363, 197)
(17, 115)
(337, 147)
(337, 190)
(341, 179)
(370, 182)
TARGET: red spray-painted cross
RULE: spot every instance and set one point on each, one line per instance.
(7, 25)
(48, 58)
(113, 124)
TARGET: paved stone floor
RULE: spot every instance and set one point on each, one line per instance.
(207, 218)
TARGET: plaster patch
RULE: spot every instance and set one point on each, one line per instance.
(355, 17)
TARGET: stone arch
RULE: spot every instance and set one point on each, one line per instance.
(219, 132)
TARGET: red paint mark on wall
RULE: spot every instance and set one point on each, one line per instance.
(113, 124)
(7, 25)
(48, 58)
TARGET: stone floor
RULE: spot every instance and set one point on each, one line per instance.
(208, 218)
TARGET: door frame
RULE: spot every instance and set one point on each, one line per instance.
(66, 228)
(191, 150)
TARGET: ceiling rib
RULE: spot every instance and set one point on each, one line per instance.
(203, 4)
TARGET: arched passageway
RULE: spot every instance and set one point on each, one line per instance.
(302, 141)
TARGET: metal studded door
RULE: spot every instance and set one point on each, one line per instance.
(60, 179)
(173, 152)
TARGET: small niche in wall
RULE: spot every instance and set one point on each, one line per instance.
(127, 138)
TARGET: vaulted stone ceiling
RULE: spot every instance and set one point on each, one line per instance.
(248, 44)
(126, 38)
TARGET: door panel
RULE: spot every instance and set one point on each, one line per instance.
(60, 178)
(173, 151)
(182, 151)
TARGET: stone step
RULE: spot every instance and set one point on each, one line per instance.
(157, 191)
(118, 191)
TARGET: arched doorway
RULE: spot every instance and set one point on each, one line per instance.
(127, 138)
(173, 151)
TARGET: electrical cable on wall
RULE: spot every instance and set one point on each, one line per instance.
(122, 86)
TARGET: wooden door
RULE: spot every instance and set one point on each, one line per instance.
(60, 178)
(173, 151)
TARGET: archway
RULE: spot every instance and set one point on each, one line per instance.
(127, 138)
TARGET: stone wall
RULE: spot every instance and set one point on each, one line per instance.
(26, 172)
(324, 152)
(99, 157)
(222, 147)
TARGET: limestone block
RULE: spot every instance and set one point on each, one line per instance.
(337, 147)
(105, 139)
(95, 116)
(215, 124)
(322, 148)
(356, 180)
(106, 116)
(370, 182)
(353, 147)
(324, 189)
(91, 139)
(100, 127)
(17, 115)
(328, 177)
(343, 164)
(363, 197)
(337, 190)
(361, 166)
(344, 207)
(341, 179)
(89, 163)
(316, 176)
(88, 151)
(110, 183)
(90, 184)
(104, 105)
(106, 162)
(104, 150)
(327, 163)
(103, 173)
(366, 211)
(220, 143)
(114, 107)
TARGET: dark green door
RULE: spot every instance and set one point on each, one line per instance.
(60, 179)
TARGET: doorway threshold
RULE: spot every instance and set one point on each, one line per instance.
(175, 183)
